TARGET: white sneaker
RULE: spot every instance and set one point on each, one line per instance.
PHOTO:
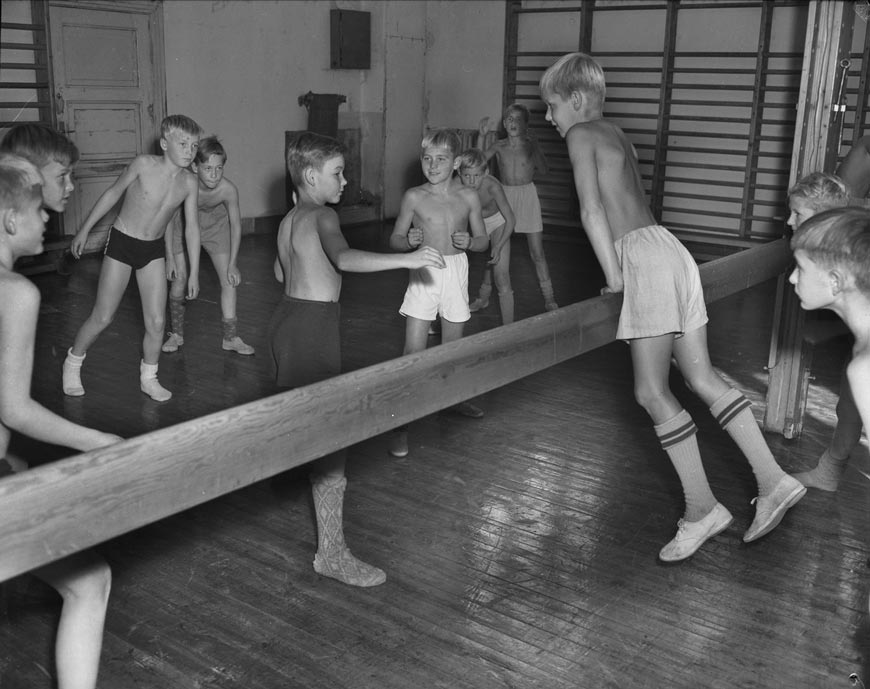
(770, 509)
(692, 535)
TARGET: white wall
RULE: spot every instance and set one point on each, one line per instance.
(464, 62)
(239, 66)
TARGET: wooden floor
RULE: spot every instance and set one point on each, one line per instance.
(520, 548)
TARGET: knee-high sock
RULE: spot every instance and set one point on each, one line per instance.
(732, 411)
(229, 327)
(677, 436)
(176, 316)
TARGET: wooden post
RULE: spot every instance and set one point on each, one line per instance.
(828, 39)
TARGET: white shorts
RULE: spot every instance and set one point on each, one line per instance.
(493, 222)
(439, 291)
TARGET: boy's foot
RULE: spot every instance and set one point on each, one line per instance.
(550, 305)
(692, 535)
(770, 509)
(342, 565)
(468, 409)
(173, 343)
(154, 390)
(826, 475)
(399, 444)
(478, 304)
(236, 345)
(72, 375)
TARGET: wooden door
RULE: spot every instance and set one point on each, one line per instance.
(107, 61)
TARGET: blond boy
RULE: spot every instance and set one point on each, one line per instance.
(519, 159)
(152, 187)
(499, 221)
(832, 253)
(439, 214)
(83, 580)
(663, 314)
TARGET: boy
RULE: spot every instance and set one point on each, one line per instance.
(855, 168)
(832, 252)
(498, 219)
(812, 194)
(52, 153)
(519, 157)
(83, 580)
(438, 214)
(304, 331)
(152, 187)
(663, 313)
(220, 232)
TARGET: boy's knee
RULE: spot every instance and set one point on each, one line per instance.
(92, 584)
(102, 319)
(155, 323)
(648, 396)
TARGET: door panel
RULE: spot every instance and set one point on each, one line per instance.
(108, 95)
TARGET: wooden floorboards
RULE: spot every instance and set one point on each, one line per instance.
(520, 548)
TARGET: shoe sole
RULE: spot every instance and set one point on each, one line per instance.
(232, 349)
(715, 532)
(785, 505)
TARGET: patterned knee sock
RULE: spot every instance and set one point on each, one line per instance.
(732, 411)
(677, 436)
(229, 327)
(176, 316)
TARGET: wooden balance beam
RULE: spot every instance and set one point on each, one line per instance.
(65, 506)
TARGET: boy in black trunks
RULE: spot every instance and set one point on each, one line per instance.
(152, 187)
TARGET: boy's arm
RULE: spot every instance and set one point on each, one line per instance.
(232, 203)
(855, 168)
(355, 261)
(592, 214)
(191, 233)
(18, 410)
(479, 238)
(105, 203)
(404, 237)
(858, 374)
(482, 130)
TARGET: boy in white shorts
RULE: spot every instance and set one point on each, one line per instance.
(498, 220)
(438, 214)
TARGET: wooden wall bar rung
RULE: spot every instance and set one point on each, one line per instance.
(65, 506)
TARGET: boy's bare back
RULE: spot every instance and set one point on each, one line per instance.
(607, 178)
(308, 272)
(153, 193)
(487, 192)
(440, 213)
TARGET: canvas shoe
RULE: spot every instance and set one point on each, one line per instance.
(172, 343)
(770, 509)
(692, 535)
(236, 345)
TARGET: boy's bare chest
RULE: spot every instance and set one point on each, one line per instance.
(158, 190)
(442, 212)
